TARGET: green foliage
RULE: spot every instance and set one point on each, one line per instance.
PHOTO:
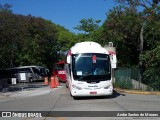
(123, 29)
(65, 39)
(152, 34)
(91, 28)
(88, 25)
(5, 8)
(28, 40)
(151, 61)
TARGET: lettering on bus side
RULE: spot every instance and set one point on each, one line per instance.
(92, 86)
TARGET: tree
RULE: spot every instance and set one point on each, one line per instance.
(151, 63)
(122, 27)
(28, 40)
(147, 26)
(5, 8)
(147, 15)
(88, 25)
(129, 29)
(9, 38)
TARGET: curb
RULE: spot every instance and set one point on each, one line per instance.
(136, 92)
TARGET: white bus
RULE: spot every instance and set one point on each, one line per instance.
(88, 70)
(32, 73)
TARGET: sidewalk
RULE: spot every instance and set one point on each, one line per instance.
(17, 92)
(28, 92)
(137, 91)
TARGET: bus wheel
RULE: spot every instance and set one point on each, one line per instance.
(17, 81)
(75, 98)
(71, 94)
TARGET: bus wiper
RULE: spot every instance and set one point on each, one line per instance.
(86, 74)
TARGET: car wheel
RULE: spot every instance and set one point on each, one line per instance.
(30, 79)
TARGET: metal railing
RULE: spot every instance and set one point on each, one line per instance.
(131, 78)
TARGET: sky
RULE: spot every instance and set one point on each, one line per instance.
(66, 13)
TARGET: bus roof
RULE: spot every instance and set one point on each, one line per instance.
(88, 47)
(27, 67)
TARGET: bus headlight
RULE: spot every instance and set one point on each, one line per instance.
(76, 87)
(107, 87)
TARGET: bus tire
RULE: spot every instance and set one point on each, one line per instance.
(71, 94)
(75, 98)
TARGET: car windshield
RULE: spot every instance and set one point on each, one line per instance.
(91, 66)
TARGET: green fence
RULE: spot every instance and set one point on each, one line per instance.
(130, 78)
(123, 79)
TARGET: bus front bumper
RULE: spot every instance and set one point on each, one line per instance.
(93, 92)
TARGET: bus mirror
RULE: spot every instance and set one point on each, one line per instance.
(69, 59)
(113, 61)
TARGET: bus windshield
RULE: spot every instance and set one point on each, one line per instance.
(91, 67)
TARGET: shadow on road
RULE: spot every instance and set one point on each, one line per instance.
(114, 95)
(25, 86)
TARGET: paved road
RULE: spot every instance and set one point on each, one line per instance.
(59, 100)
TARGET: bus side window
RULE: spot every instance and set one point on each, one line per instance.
(36, 71)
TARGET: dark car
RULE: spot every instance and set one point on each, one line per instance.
(3, 79)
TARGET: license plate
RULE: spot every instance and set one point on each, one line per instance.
(93, 93)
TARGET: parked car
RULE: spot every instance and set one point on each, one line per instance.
(28, 73)
(3, 79)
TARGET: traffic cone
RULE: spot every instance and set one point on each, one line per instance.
(53, 83)
(46, 80)
(57, 81)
